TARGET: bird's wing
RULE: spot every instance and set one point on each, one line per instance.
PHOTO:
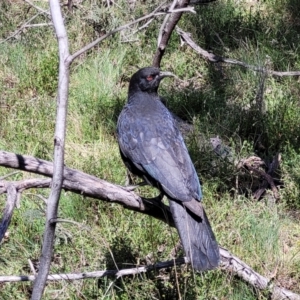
(154, 144)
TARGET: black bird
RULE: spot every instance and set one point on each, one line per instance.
(152, 147)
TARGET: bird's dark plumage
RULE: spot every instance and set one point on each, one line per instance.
(152, 147)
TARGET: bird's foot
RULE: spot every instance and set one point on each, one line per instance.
(157, 201)
(133, 187)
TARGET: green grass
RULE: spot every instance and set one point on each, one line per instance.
(218, 102)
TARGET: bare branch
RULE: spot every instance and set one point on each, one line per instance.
(166, 31)
(80, 183)
(38, 8)
(126, 26)
(98, 274)
(153, 14)
(22, 185)
(184, 9)
(59, 144)
(229, 263)
(91, 186)
(162, 27)
(37, 25)
(215, 58)
(242, 270)
(8, 175)
(21, 28)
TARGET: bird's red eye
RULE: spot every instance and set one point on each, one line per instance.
(149, 78)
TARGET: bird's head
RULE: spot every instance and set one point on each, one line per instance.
(147, 80)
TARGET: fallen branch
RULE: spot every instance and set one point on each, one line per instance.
(85, 184)
(98, 274)
(216, 59)
(237, 267)
(80, 183)
(229, 263)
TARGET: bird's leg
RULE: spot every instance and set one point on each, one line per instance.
(129, 184)
(157, 201)
(129, 180)
(133, 187)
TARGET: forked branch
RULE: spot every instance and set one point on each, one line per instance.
(167, 28)
(88, 185)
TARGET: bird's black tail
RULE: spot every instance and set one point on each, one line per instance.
(197, 237)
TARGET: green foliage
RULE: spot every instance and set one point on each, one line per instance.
(220, 100)
(46, 73)
(99, 94)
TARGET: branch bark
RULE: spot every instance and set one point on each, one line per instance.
(166, 30)
(59, 145)
(80, 183)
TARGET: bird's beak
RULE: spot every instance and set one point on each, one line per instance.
(165, 74)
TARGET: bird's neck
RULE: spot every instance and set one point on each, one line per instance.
(140, 96)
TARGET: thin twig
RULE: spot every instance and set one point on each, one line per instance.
(60, 220)
(31, 267)
(20, 29)
(38, 8)
(9, 174)
(37, 25)
(98, 274)
(138, 29)
(153, 14)
(215, 58)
